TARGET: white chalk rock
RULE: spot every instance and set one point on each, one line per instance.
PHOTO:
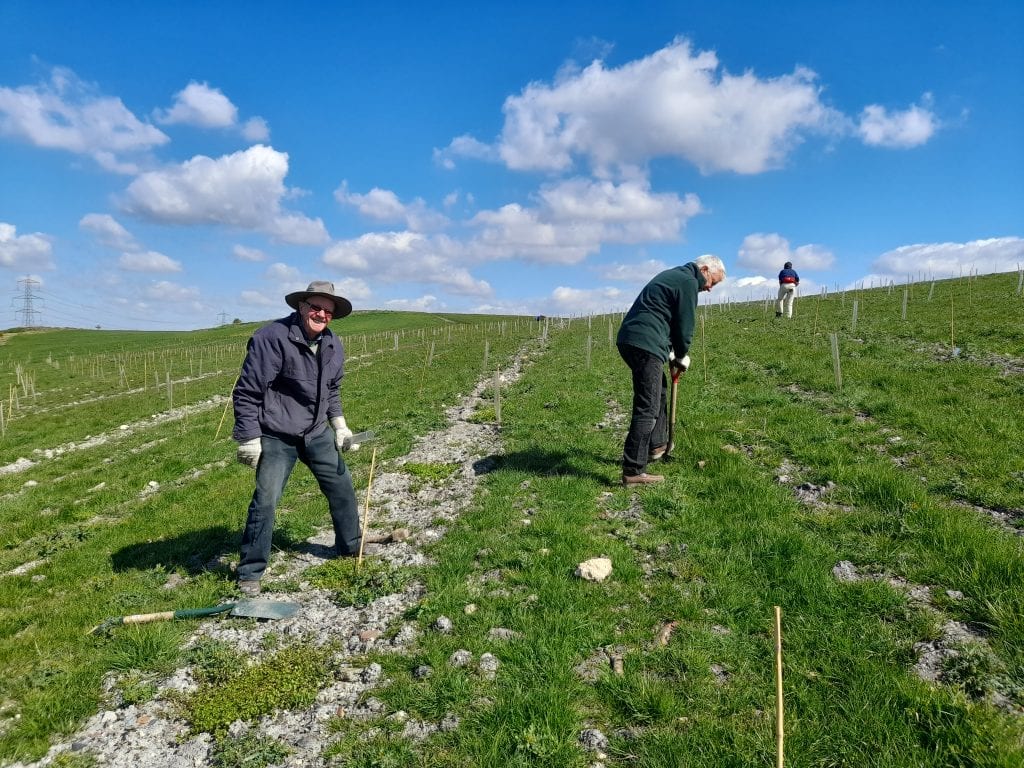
(595, 569)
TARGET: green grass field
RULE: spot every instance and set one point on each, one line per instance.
(912, 471)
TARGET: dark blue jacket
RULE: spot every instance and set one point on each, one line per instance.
(285, 389)
(789, 276)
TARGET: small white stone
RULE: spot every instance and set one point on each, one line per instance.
(595, 569)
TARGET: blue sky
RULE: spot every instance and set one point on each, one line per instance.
(169, 165)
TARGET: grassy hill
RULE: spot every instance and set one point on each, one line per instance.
(860, 468)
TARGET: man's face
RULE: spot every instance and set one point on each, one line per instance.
(316, 314)
(712, 278)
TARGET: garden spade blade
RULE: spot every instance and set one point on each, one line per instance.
(358, 439)
(264, 609)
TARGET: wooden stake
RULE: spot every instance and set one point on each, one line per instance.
(779, 723)
(366, 507)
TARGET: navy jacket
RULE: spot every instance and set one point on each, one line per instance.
(789, 276)
(285, 389)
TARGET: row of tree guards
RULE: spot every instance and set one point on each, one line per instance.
(126, 364)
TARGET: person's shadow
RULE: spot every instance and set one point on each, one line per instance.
(544, 462)
(194, 552)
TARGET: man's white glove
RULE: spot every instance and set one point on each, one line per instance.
(249, 452)
(341, 434)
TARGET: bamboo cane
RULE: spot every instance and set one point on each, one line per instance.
(366, 508)
(224, 413)
(779, 759)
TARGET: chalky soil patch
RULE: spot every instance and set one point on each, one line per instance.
(154, 732)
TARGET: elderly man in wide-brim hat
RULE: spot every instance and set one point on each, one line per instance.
(288, 409)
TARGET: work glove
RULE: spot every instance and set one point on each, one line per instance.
(341, 434)
(249, 452)
(680, 364)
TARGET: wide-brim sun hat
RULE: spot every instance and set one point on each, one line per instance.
(342, 306)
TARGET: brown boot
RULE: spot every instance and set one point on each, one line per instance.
(642, 479)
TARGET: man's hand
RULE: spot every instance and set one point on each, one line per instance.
(341, 434)
(249, 452)
(680, 365)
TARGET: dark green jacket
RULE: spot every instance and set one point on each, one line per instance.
(664, 313)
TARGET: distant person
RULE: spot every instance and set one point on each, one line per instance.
(658, 328)
(287, 408)
(788, 281)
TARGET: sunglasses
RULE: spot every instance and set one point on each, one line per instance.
(314, 308)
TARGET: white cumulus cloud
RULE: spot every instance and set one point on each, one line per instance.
(19, 251)
(574, 217)
(256, 129)
(768, 252)
(897, 130)
(384, 205)
(409, 257)
(672, 103)
(66, 113)
(166, 291)
(201, 105)
(280, 272)
(941, 260)
(245, 253)
(242, 190)
(465, 146)
(108, 231)
(148, 261)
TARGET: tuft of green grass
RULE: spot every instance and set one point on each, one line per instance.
(150, 647)
(136, 688)
(376, 744)
(289, 679)
(251, 750)
(358, 585)
(974, 669)
(214, 662)
(435, 472)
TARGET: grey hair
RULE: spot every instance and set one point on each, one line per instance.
(713, 263)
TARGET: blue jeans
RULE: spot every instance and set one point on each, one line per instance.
(276, 463)
(648, 425)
